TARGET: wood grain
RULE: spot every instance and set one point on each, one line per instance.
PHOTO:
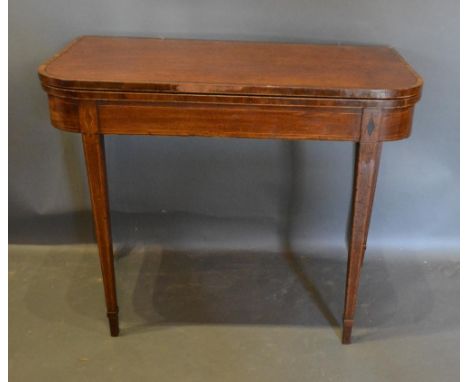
(230, 121)
(142, 86)
(232, 67)
(320, 121)
(94, 152)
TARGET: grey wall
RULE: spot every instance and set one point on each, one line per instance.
(235, 183)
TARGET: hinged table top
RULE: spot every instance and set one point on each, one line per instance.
(231, 67)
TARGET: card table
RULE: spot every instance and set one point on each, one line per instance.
(168, 87)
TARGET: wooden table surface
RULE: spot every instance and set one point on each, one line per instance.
(220, 67)
(148, 86)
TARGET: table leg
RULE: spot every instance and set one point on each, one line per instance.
(93, 145)
(371, 200)
(365, 178)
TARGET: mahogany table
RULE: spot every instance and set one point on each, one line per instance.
(145, 86)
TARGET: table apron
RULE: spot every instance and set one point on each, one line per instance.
(227, 120)
(230, 121)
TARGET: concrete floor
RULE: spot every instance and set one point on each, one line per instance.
(230, 316)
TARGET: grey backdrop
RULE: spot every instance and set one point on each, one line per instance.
(232, 192)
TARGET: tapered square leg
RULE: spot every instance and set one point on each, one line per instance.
(93, 145)
(365, 178)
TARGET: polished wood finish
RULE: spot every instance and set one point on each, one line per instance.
(365, 180)
(231, 67)
(230, 121)
(143, 86)
(93, 146)
(323, 119)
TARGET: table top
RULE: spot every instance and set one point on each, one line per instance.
(231, 67)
